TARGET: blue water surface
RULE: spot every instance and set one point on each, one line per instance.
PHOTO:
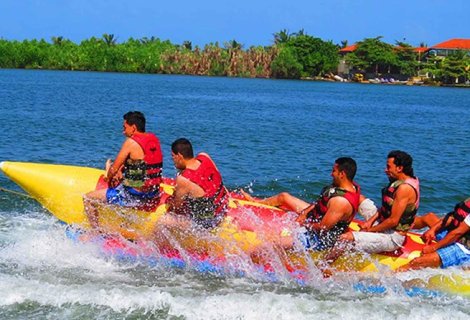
(265, 135)
(270, 135)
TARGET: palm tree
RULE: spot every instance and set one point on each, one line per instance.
(187, 45)
(403, 44)
(233, 44)
(57, 40)
(282, 36)
(301, 32)
(109, 39)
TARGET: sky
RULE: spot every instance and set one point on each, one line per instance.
(249, 22)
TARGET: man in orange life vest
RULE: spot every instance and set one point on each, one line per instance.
(135, 175)
(400, 202)
(199, 191)
(452, 234)
(329, 217)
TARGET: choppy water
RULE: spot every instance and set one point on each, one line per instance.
(263, 134)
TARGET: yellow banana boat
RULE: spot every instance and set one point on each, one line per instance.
(245, 230)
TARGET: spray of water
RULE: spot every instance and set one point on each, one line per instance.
(44, 272)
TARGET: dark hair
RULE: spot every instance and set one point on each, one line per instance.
(348, 165)
(403, 159)
(183, 146)
(136, 118)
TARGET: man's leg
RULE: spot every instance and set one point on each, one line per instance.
(428, 220)
(370, 242)
(429, 260)
(345, 242)
(373, 242)
(171, 228)
(89, 200)
(283, 199)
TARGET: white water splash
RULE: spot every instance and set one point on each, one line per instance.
(41, 266)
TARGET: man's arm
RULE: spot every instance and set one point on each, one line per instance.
(450, 238)
(338, 209)
(430, 235)
(120, 159)
(181, 190)
(304, 213)
(365, 226)
(405, 195)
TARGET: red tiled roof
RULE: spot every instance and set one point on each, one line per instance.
(350, 48)
(449, 44)
(454, 44)
(421, 49)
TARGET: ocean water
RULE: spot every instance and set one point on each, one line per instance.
(266, 136)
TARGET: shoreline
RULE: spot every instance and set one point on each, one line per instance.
(316, 79)
(395, 83)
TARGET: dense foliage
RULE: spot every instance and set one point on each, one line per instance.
(373, 55)
(292, 56)
(377, 57)
(317, 57)
(452, 70)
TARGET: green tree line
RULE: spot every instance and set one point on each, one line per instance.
(292, 56)
(300, 56)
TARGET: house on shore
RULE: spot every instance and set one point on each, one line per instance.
(343, 67)
(449, 47)
(442, 49)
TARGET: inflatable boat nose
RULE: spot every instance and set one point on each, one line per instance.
(58, 188)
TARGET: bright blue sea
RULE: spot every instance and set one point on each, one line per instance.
(264, 135)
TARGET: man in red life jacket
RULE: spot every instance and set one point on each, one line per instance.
(400, 202)
(199, 191)
(327, 218)
(135, 175)
(452, 234)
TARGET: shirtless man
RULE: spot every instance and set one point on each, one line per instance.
(327, 218)
(199, 192)
(135, 175)
(400, 202)
(452, 236)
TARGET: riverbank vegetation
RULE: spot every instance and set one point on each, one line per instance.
(292, 56)
(373, 56)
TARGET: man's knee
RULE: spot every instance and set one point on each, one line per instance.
(431, 218)
(87, 200)
(431, 260)
(95, 195)
(427, 220)
(348, 236)
(284, 197)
